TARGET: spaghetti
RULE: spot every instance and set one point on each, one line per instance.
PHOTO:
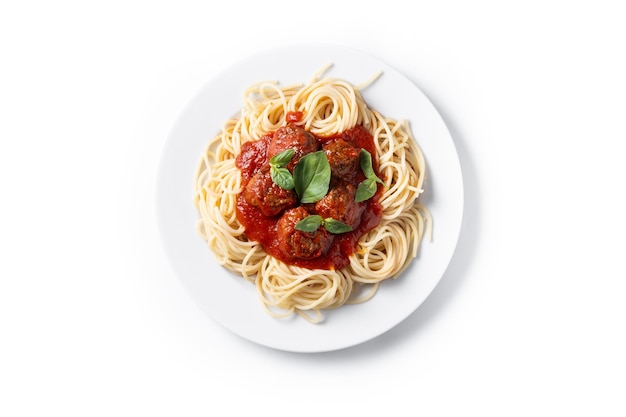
(325, 107)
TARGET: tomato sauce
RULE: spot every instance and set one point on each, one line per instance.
(263, 229)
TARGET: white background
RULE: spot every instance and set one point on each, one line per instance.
(529, 318)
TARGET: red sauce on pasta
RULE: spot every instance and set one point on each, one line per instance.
(269, 213)
(294, 116)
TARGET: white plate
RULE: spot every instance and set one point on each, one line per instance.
(232, 301)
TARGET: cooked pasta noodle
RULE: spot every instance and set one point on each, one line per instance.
(328, 106)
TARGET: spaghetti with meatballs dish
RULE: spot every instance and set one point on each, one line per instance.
(312, 196)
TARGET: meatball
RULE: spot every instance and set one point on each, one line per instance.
(263, 193)
(297, 244)
(292, 137)
(253, 155)
(344, 159)
(339, 204)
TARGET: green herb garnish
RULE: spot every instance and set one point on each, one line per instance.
(313, 222)
(312, 177)
(367, 187)
(281, 175)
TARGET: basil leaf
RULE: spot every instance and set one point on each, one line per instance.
(365, 190)
(309, 223)
(366, 166)
(281, 159)
(314, 221)
(312, 177)
(335, 226)
(281, 177)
